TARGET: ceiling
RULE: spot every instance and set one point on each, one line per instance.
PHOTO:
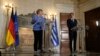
(69, 1)
(63, 1)
(82, 1)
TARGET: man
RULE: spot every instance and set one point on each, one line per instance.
(72, 27)
(38, 27)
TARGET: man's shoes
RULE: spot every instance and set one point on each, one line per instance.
(42, 51)
(36, 52)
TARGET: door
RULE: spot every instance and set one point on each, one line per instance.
(64, 33)
(92, 21)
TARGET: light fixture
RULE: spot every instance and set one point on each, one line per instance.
(8, 6)
(97, 23)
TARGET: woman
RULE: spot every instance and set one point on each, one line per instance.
(38, 27)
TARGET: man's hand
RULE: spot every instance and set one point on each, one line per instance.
(74, 28)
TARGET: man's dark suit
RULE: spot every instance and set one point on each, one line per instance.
(72, 33)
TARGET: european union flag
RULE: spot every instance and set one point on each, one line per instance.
(16, 29)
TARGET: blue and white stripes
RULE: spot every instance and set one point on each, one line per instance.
(54, 34)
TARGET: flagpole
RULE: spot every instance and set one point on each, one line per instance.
(14, 53)
(6, 27)
(53, 18)
(14, 46)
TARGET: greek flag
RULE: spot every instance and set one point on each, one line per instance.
(54, 34)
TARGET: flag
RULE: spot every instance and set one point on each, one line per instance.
(54, 34)
(10, 37)
(16, 29)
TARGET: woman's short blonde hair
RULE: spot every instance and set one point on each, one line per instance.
(38, 11)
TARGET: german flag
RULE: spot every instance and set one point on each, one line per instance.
(10, 37)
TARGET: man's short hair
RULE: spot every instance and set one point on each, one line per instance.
(71, 13)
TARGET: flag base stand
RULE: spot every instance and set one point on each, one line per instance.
(11, 51)
(14, 52)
